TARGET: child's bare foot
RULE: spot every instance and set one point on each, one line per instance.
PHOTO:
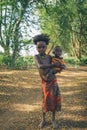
(42, 124)
(55, 125)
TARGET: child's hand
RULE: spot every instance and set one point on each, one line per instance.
(63, 66)
(57, 64)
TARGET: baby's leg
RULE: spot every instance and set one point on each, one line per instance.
(43, 122)
(55, 125)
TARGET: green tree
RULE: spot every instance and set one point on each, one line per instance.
(65, 21)
(15, 17)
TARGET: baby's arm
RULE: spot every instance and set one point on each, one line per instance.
(40, 65)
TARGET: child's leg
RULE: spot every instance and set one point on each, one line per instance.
(43, 122)
(43, 116)
(54, 120)
(53, 116)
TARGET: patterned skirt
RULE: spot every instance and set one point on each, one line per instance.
(51, 96)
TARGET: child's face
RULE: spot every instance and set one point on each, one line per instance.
(41, 47)
(58, 51)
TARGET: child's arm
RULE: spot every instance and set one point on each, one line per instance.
(44, 66)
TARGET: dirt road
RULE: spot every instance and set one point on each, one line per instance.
(21, 100)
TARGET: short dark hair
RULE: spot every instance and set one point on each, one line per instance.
(56, 47)
(41, 37)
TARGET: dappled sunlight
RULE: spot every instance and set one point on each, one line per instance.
(21, 100)
(36, 73)
(3, 93)
(75, 108)
(25, 107)
(70, 84)
(7, 72)
(71, 92)
(73, 117)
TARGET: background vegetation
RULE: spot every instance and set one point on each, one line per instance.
(63, 20)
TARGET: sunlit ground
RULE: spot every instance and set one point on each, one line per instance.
(21, 100)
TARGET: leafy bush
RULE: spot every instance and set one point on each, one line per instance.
(72, 60)
(76, 61)
(1, 59)
(83, 60)
(2, 63)
(28, 61)
(21, 62)
(6, 60)
(24, 62)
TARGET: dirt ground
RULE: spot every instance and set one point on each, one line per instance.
(21, 100)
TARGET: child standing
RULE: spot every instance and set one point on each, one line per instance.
(50, 89)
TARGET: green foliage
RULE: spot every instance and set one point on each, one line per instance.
(66, 23)
(76, 61)
(72, 60)
(6, 60)
(83, 60)
(28, 61)
(1, 59)
(15, 18)
(21, 62)
(24, 62)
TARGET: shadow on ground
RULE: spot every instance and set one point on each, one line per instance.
(20, 100)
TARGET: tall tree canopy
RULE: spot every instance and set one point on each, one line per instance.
(65, 21)
(15, 17)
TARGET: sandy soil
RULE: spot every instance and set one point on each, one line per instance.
(21, 100)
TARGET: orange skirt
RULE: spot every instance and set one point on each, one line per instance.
(51, 96)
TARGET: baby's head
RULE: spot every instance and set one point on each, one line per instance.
(57, 51)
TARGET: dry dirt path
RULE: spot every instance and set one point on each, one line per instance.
(20, 100)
